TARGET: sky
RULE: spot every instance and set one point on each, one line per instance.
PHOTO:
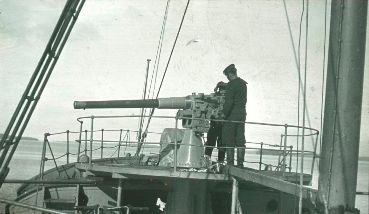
(105, 57)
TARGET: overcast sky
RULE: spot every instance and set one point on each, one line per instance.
(105, 57)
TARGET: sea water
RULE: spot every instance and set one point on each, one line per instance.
(26, 164)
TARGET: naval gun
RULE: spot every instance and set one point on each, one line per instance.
(195, 111)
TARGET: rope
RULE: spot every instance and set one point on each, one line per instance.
(63, 155)
(162, 79)
(54, 160)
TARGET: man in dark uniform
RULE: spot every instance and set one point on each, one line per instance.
(234, 109)
(214, 135)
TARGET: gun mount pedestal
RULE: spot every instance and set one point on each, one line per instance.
(190, 150)
(190, 153)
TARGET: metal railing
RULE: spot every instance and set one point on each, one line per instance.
(93, 143)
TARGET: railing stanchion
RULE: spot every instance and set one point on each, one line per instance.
(91, 139)
(284, 148)
(279, 153)
(79, 140)
(67, 146)
(120, 140)
(175, 145)
(261, 155)
(290, 165)
(128, 138)
(86, 142)
(102, 143)
(43, 157)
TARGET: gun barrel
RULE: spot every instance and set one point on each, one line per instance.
(163, 103)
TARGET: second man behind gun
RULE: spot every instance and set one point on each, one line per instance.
(215, 131)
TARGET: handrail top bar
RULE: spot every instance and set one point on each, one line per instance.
(32, 207)
(79, 119)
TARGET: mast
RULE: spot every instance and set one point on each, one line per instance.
(342, 114)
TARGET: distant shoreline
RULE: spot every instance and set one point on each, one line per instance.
(24, 138)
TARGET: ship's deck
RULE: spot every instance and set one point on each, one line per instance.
(282, 181)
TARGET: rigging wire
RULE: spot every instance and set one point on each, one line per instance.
(143, 110)
(299, 75)
(323, 82)
(304, 105)
(297, 61)
(171, 53)
(158, 51)
(298, 94)
(156, 62)
(162, 79)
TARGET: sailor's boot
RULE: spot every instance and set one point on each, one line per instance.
(240, 156)
(208, 150)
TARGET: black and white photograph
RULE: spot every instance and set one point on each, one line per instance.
(184, 107)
